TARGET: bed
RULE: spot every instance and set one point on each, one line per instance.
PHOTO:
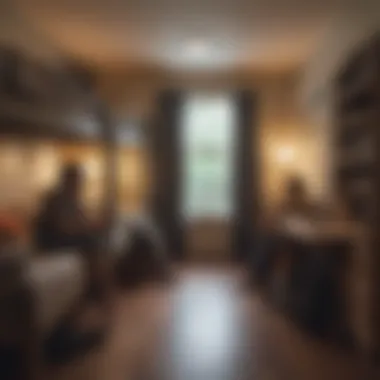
(57, 282)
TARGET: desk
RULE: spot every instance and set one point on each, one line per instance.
(328, 260)
(322, 232)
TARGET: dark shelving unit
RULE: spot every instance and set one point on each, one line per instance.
(357, 163)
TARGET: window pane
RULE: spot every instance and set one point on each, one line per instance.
(208, 149)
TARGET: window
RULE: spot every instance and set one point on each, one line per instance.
(208, 154)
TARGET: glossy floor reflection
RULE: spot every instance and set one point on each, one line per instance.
(207, 325)
(206, 337)
(217, 329)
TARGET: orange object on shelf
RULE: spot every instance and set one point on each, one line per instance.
(11, 226)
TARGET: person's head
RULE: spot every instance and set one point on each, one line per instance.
(296, 189)
(71, 179)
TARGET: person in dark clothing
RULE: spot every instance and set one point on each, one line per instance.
(296, 202)
(295, 205)
(61, 222)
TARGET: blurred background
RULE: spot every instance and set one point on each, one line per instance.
(138, 137)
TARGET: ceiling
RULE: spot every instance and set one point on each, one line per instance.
(187, 34)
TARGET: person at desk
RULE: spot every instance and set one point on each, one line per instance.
(296, 203)
(296, 208)
(302, 271)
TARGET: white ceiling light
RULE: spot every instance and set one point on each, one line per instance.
(196, 50)
(196, 54)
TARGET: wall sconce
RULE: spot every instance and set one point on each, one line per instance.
(285, 155)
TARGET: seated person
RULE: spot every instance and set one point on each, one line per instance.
(296, 208)
(296, 204)
(61, 222)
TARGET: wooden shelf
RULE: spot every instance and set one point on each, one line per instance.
(356, 69)
(46, 101)
(361, 152)
(357, 148)
(357, 119)
(361, 188)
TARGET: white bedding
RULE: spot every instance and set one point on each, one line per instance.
(57, 281)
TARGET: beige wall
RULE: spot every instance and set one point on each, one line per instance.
(132, 179)
(280, 121)
(291, 114)
(286, 140)
(30, 168)
(281, 125)
(133, 94)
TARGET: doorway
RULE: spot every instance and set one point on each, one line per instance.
(208, 207)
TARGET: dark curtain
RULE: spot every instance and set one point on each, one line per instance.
(246, 190)
(166, 167)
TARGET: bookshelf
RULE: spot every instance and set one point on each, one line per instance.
(357, 178)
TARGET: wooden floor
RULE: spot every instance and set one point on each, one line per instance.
(206, 325)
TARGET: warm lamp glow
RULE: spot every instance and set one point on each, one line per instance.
(285, 154)
(92, 168)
